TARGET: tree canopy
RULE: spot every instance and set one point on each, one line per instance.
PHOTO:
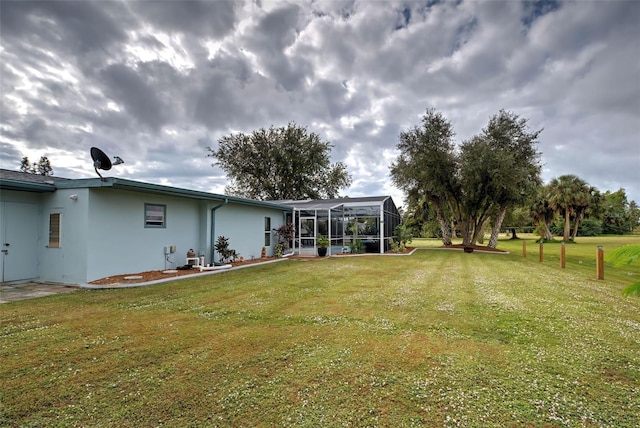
(42, 167)
(280, 163)
(489, 173)
(571, 197)
(426, 168)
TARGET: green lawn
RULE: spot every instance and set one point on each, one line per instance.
(439, 338)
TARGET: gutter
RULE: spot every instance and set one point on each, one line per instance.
(213, 228)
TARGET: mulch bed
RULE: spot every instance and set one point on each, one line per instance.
(475, 248)
(153, 275)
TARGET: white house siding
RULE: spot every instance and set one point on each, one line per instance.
(103, 229)
(119, 242)
(244, 226)
(66, 264)
(20, 216)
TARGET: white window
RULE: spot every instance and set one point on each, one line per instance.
(54, 230)
(267, 231)
(155, 215)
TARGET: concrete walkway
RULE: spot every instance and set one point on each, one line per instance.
(29, 290)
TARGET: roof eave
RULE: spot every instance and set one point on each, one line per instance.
(137, 186)
(8, 184)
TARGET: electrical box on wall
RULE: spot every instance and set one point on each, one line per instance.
(166, 250)
(173, 248)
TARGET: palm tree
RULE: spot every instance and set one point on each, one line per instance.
(569, 196)
(541, 211)
(589, 203)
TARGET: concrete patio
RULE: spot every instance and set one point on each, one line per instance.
(29, 290)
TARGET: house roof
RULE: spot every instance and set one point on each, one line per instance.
(325, 204)
(15, 180)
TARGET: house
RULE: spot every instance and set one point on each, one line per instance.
(79, 230)
(370, 221)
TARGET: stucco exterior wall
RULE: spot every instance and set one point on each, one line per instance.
(23, 259)
(103, 233)
(67, 263)
(119, 242)
(245, 228)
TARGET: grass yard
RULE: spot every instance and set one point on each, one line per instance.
(439, 338)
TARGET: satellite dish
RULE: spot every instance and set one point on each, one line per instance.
(102, 161)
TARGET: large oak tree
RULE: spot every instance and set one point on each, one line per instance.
(490, 172)
(426, 168)
(279, 164)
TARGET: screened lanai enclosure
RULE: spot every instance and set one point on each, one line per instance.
(351, 224)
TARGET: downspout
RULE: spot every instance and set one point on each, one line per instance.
(213, 228)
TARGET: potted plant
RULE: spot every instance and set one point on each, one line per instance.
(323, 243)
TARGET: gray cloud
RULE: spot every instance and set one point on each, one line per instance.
(157, 82)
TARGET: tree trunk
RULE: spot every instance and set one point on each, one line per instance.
(575, 228)
(446, 231)
(567, 226)
(477, 232)
(547, 232)
(444, 224)
(465, 230)
(493, 241)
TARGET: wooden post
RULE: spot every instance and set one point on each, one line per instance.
(524, 248)
(563, 263)
(600, 263)
(541, 251)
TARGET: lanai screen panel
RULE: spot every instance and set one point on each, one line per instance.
(337, 226)
(362, 222)
(391, 220)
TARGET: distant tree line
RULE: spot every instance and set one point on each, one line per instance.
(42, 167)
(608, 213)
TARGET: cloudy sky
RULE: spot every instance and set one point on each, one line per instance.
(157, 82)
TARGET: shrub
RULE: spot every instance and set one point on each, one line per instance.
(356, 247)
(279, 250)
(323, 241)
(397, 246)
(590, 227)
(222, 247)
(403, 234)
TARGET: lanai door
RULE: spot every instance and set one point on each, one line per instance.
(307, 234)
(19, 241)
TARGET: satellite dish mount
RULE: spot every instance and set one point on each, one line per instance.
(102, 161)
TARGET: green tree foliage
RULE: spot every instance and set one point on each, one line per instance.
(572, 197)
(427, 168)
(516, 174)
(490, 173)
(25, 165)
(617, 213)
(42, 167)
(280, 163)
(542, 213)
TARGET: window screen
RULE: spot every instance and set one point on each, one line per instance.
(155, 215)
(54, 230)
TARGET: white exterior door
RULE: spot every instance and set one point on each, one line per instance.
(18, 241)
